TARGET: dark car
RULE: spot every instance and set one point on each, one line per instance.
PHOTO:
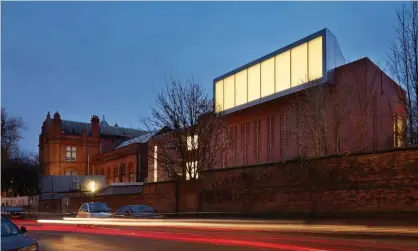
(137, 211)
(13, 212)
(13, 238)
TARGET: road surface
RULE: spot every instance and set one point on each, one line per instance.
(76, 238)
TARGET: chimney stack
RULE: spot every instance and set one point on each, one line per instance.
(56, 124)
(95, 128)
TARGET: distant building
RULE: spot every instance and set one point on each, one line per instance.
(73, 148)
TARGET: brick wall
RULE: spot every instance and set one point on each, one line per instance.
(160, 196)
(371, 183)
(384, 182)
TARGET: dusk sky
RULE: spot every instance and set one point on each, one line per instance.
(84, 58)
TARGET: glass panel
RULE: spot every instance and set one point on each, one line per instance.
(68, 154)
(229, 92)
(74, 148)
(195, 170)
(188, 170)
(219, 96)
(267, 77)
(283, 71)
(68, 148)
(315, 58)
(299, 64)
(155, 164)
(196, 140)
(189, 143)
(241, 88)
(254, 82)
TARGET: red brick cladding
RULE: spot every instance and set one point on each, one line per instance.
(110, 163)
(264, 134)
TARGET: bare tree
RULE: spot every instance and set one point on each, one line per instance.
(319, 113)
(403, 61)
(362, 94)
(11, 133)
(191, 137)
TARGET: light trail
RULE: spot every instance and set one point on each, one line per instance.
(187, 220)
(220, 225)
(194, 239)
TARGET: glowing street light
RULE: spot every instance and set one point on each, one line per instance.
(92, 186)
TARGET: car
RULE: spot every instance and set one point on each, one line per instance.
(94, 210)
(13, 238)
(137, 211)
(13, 212)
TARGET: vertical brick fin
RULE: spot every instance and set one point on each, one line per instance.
(285, 138)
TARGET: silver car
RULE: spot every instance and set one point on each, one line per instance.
(94, 210)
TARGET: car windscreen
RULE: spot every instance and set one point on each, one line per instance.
(142, 209)
(98, 207)
(8, 228)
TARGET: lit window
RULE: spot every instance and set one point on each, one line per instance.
(315, 58)
(192, 142)
(299, 64)
(229, 92)
(70, 153)
(267, 77)
(283, 71)
(398, 131)
(254, 82)
(70, 173)
(155, 164)
(241, 87)
(192, 168)
(219, 96)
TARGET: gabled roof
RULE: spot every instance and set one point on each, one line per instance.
(141, 139)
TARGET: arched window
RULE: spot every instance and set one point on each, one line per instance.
(115, 173)
(122, 172)
(131, 172)
(109, 174)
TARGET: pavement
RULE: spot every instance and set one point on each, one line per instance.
(55, 236)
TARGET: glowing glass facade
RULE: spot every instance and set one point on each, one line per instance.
(282, 72)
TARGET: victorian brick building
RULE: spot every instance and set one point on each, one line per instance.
(77, 148)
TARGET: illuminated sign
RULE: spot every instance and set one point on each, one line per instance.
(284, 71)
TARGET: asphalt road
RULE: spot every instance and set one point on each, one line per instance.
(77, 238)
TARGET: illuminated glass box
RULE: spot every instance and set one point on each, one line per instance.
(284, 71)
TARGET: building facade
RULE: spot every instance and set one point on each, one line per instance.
(78, 149)
(305, 100)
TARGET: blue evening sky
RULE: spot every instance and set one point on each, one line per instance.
(84, 58)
